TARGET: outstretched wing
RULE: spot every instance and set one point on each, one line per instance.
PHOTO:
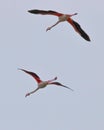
(44, 12)
(78, 29)
(59, 84)
(34, 75)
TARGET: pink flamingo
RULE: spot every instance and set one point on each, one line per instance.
(62, 18)
(42, 84)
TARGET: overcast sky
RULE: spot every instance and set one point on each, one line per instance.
(61, 52)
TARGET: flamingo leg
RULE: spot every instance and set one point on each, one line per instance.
(28, 94)
(49, 28)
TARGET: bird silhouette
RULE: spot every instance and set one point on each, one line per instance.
(62, 18)
(42, 84)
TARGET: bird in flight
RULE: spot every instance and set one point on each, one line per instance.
(62, 18)
(42, 84)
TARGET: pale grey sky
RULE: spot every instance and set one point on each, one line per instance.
(60, 52)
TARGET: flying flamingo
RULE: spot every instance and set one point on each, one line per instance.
(42, 84)
(62, 18)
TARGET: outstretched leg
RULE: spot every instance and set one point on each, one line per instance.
(28, 94)
(49, 28)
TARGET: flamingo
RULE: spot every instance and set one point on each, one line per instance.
(62, 18)
(42, 84)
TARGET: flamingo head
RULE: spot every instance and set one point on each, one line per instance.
(72, 14)
(55, 78)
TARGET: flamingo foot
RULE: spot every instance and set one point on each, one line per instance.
(55, 78)
(49, 28)
(75, 13)
(28, 94)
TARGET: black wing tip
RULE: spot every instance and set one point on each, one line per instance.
(86, 37)
(89, 40)
(81, 31)
(29, 72)
(34, 11)
(19, 69)
(31, 11)
(22, 69)
(71, 89)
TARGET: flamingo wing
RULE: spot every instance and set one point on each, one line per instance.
(59, 84)
(44, 12)
(78, 29)
(34, 75)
